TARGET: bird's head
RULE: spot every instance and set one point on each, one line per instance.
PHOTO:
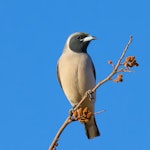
(79, 41)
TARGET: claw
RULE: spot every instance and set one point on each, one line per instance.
(70, 112)
(89, 94)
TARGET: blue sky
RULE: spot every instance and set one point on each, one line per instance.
(32, 104)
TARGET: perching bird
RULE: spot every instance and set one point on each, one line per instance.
(76, 75)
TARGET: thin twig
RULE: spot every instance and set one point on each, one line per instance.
(67, 121)
(99, 112)
(125, 70)
(109, 77)
(116, 67)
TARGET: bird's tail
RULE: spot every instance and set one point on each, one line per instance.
(91, 128)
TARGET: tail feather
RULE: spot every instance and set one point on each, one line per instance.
(91, 128)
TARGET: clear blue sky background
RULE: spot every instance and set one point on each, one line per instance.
(32, 104)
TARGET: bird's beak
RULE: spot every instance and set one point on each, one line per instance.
(89, 38)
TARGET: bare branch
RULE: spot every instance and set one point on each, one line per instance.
(99, 112)
(67, 121)
(115, 68)
(109, 77)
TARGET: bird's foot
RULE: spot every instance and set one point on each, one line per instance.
(89, 94)
(71, 111)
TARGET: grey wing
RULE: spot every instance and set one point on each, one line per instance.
(58, 76)
(94, 71)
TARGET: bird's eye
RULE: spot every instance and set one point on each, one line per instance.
(80, 38)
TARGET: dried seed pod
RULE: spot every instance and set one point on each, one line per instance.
(85, 110)
(128, 59)
(109, 62)
(75, 114)
(126, 64)
(136, 64)
(89, 115)
(82, 120)
(120, 76)
(120, 80)
(84, 115)
(132, 64)
(79, 111)
(132, 58)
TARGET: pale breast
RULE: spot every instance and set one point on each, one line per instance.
(76, 75)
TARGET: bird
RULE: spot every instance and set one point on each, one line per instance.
(76, 75)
